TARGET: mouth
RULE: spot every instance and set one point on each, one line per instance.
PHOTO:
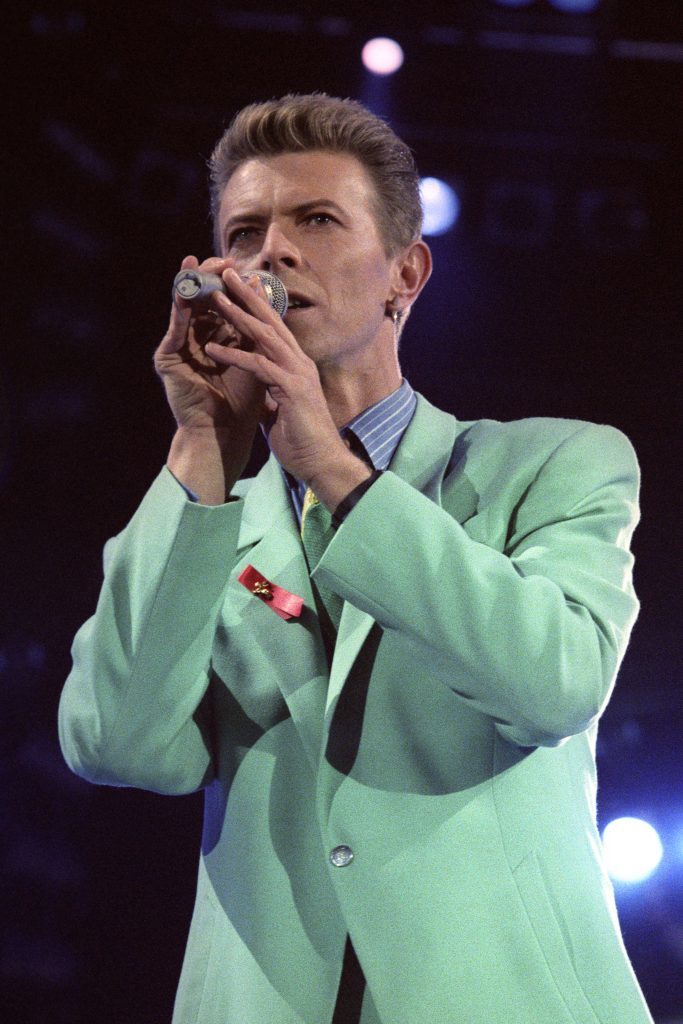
(297, 302)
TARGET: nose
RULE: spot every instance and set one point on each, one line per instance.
(278, 250)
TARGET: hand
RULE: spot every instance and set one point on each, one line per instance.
(301, 431)
(201, 393)
(217, 408)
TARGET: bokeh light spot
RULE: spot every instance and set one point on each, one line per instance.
(382, 56)
(441, 206)
(633, 849)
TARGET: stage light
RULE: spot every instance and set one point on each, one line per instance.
(440, 204)
(633, 849)
(382, 56)
(576, 6)
(514, 3)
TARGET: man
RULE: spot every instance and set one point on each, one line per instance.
(399, 768)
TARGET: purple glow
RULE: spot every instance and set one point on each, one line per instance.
(576, 6)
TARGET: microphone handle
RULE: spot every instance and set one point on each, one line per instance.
(197, 287)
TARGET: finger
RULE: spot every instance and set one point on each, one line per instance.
(270, 404)
(181, 312)
(271, 338)
(253, 335)
(178, 326)
(265, 371)
(216, 329)
(250, 295)
(216, 264)
(213, 265)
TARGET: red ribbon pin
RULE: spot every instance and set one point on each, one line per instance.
(284, 604)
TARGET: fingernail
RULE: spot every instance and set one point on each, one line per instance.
(254, 279)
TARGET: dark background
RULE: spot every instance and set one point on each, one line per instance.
(556, 294)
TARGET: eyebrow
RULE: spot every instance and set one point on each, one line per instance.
(299, 208)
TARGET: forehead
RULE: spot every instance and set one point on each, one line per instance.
(291, 179)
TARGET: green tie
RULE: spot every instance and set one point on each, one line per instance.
(316, 533)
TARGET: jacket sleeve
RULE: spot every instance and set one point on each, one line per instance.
(531, 635)
(132, 712)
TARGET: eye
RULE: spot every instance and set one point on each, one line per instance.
(320, 219)
(239, 236)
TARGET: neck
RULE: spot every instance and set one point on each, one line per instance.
(350, 390)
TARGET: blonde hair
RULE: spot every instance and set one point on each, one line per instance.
(301, 123)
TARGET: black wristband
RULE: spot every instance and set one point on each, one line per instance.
(351, 500)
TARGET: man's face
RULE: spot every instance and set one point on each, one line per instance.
(308, 218)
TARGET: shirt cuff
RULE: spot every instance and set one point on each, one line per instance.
(351, 500)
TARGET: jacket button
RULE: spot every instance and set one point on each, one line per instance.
(340, 856)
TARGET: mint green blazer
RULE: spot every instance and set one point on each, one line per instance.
(450, 747)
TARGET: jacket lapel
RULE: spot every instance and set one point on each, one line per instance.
(269, 540)
(421, 460)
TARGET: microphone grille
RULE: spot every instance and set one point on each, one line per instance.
(275, 291)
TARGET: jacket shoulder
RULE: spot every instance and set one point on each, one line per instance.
(505, 463)
(534, 440)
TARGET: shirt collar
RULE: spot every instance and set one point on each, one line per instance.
(380, 427)
(374, 435)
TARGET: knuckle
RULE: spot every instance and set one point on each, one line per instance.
(270, 333)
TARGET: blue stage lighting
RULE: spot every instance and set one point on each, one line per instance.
(382, 56)
(576, 6)
(441, 206)
(633, 849)
(514, 3)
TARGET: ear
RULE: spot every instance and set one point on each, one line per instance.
(412, 269)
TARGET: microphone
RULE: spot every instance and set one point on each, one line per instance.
(196, 288)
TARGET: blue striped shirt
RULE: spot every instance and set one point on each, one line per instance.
(373, 435)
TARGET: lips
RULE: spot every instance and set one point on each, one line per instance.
(297, 302)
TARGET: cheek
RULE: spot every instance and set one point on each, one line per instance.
(363, 282)
(356, 298)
